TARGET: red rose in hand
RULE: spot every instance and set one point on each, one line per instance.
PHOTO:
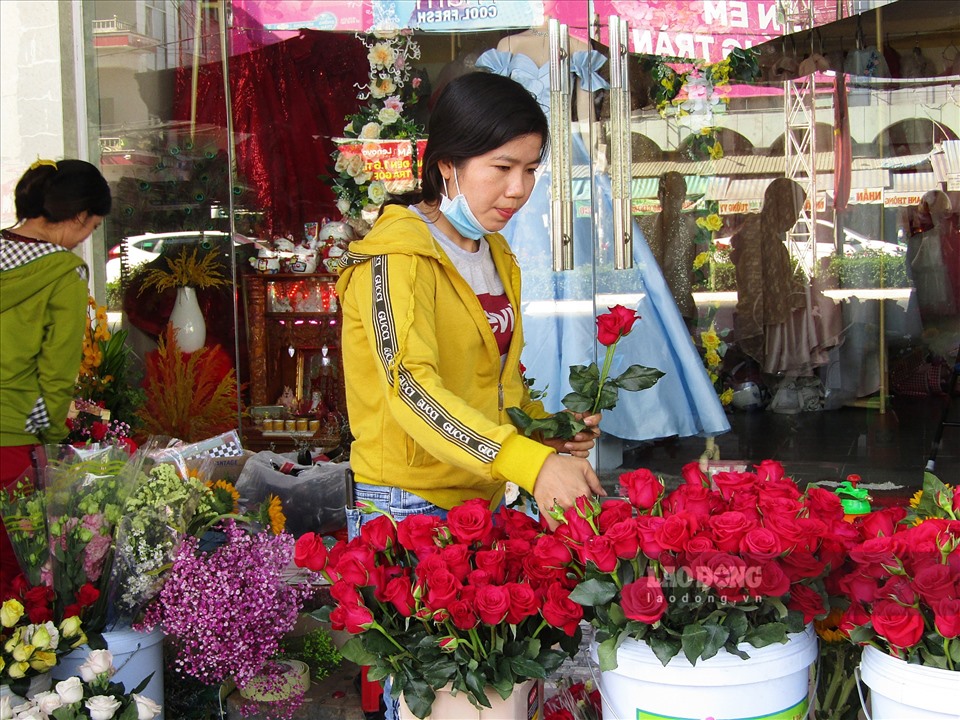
(523, 602)
(643, 600)
(807, 601)
(87, 595)
(615, 324)
(560, 611)
(471, 522)
(310, 552)
(642, 487)
(901, 626)
(946, 617)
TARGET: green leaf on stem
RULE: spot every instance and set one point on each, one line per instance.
(594, 592)
(355, 651)
(607, 654)
(664, 648)
(767, 634)
(419, 696)
(638, 377)
(476, 684)
(585, 380)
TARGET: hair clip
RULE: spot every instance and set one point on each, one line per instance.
(39, 162)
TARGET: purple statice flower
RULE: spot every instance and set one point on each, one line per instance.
(227, 610)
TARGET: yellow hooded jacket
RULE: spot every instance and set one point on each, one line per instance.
(426, 396)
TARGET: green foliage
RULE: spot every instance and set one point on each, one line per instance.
(867, 269)
(316, 649)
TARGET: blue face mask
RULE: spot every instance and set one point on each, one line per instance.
(458, 212)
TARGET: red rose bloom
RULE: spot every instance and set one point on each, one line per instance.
(807, 601)
(560, 611)
(523, 602)
(380, 533)
(418, 532)
(643, 600)
(946, 617)
(87, 595)
(772, 582)
(613, 512)
(770, 469)
(642, 487)
(693, 475)
(731, 483)
(399, 592)
(728, 528)
(462, 615)
(457, 560)
(551, 552)
(759, 543)
(601, 552)
(356, 564)
(624, 538)
(471, 522)
(310, 552)
(492, 603)
(901, 626)
(494, 562)
(880, 522)
(355, 618)
(442, 588)
(615, 324)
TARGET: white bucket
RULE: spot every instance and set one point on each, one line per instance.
(771, 685)
(135, 655)
(902, 691)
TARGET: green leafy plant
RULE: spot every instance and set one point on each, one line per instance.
(316, 649)
(593, 388)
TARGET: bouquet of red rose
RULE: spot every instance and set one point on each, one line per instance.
(474, 601)
(593, 388)
(702, 568)
(903, 580)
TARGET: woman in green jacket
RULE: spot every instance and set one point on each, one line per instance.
(431, 323)
(43, 306)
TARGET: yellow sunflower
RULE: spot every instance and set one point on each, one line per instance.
(278, 520)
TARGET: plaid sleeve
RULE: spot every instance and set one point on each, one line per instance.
(38, 419)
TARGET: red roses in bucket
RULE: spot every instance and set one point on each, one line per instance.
(592, 388)
(478, 600)
(903, 580)
(704, 567)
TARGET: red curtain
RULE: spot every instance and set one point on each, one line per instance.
(288, 100)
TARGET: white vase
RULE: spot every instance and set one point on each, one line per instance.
(38, 684)
(900, 690)
(773, 683)
(187, 320)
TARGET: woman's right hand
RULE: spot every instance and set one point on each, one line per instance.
(562, 479)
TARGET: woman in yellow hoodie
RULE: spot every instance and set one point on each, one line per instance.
(431, 323)
(43, 305)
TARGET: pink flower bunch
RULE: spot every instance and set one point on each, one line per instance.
(705, 566)
(227, 609)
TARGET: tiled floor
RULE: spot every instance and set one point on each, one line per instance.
(889, 451)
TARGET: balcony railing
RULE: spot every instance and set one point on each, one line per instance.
(112, 25)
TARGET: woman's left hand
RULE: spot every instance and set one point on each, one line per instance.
(582, 443)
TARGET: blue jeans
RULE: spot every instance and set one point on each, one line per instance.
(400, 504)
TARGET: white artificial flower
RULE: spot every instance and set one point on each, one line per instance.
(353, 165)
(47, 701)
(382, 55)
(102, 707)
(97, 663)
(369, 213)
(388, 116)
(511, 493)
(6, 712)
(370, 131)
(146, 708)
(343, 205)
(377, 193)
(70, 690)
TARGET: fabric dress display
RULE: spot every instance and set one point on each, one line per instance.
(558, 309)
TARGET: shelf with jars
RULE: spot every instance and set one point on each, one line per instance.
(293, 327)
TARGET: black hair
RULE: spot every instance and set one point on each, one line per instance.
(475, 113)
(61, 191)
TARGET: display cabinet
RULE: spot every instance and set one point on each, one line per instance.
(296, 368)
